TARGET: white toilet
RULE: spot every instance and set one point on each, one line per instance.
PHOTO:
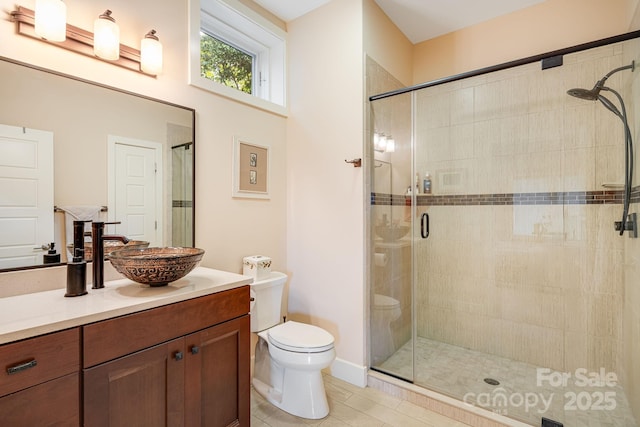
(289, 356)
(384, 311)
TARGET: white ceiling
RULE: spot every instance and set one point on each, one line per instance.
(419, 20)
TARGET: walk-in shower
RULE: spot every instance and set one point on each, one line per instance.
(521, 299)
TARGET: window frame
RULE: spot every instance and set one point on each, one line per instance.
(241, 27)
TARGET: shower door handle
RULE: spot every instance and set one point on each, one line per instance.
(424, 225)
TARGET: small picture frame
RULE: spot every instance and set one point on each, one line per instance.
(250, 169)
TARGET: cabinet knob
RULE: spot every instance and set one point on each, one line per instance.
(195, 349)
(178, 355)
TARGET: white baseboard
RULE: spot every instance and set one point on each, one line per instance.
(349, 372)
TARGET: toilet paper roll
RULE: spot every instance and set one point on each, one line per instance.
(380, 259)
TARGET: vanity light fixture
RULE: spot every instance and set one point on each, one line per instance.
(106, 37)
(51, 20)
(383, 143)
(151, 53)
(90, 44)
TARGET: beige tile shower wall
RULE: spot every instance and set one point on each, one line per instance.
(492, 279)
(540, 284)
(518, 131)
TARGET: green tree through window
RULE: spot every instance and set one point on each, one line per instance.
(225, 64)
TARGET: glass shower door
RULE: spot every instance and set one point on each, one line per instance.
(392, 224)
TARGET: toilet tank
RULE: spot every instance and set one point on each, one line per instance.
(267, 304)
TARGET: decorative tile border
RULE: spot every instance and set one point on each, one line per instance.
(552, 198)
(182, 204)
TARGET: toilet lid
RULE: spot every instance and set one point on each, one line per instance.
(300, 337)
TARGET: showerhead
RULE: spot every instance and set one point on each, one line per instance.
(593, 94)
(586, 94)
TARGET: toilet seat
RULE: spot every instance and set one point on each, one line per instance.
(300, 338)
(385, 302)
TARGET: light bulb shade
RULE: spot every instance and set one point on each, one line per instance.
(151, 54)
(51, 20)
(106, 37)
(391, 145)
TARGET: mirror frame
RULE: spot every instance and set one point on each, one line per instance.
(125, 92)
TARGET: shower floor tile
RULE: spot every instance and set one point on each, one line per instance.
(523, 393)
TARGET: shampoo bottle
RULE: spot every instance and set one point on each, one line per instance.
(426, 184)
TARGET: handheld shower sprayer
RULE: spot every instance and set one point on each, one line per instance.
(594, 94)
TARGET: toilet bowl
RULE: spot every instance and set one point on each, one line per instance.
(289, 356)
(384, 311)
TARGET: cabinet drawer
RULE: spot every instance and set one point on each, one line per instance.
(109, 339)
(54, 403)
(36, 360)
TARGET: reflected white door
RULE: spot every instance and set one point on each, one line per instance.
(26, 195)
(135, 198)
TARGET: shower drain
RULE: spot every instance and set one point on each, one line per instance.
(491, 381)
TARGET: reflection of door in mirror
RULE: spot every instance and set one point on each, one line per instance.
(135, 188)
(26, 195)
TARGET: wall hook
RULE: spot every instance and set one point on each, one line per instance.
(355, 162)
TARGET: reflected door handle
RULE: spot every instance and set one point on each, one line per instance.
(424, 225)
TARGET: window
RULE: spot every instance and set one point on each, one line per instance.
(225, 64)
(238, 54)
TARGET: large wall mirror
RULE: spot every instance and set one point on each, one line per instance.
(74, 149)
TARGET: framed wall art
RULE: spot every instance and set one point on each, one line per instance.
(250, 169)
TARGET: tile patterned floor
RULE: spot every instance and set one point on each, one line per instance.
(352, 406)
(460, 372)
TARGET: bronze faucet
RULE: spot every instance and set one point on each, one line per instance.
(98, 237)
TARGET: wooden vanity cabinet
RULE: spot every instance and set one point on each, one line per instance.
(184, 364)
(217, 374)
(40, 381)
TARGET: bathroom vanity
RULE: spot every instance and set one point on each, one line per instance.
(129, 355)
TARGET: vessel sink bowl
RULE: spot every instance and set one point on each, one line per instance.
(155, 266)
(109, 246)
(391, 233)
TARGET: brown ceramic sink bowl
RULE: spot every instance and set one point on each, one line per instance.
(155, 266)
(110, 246)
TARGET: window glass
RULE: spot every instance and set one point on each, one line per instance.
(225, 64)
(237, 53)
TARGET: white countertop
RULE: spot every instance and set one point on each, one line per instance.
(28, 315)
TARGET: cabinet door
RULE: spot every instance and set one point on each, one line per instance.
(218, 375)
(53, 403)
(143, 389)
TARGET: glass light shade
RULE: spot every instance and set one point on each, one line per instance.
(106, 37)
(151, 54)
(391, 145)
(51, 20)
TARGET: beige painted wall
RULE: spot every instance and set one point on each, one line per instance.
(385, 43)
(226, 228)
(325, 195)
(550, 25)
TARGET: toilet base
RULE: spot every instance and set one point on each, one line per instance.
(309, 401)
